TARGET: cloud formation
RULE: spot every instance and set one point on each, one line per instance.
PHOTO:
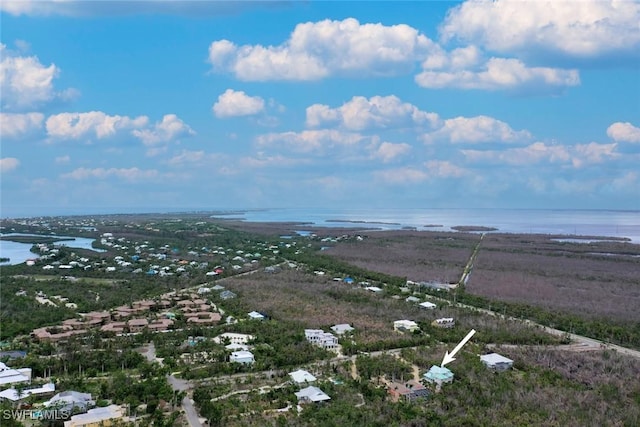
(169, 129)
(361, 113)
(128, 174)
(476, 130)
(317, 141)
(26, 83)
(497, 74)
(13, 125)
(93, 123)
(624, 132)
(578, 155)
(316, 50)
(388, 151)
(237, 103)
(7, 164)
(575, 29)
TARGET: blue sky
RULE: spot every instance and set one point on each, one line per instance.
(164, 106)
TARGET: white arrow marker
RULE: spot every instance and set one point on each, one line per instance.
(448, 358)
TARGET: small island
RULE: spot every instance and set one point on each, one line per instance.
(473, 228)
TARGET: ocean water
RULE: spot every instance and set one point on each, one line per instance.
(20, 252)
(609, 223)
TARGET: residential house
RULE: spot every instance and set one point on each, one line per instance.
(405, 325)
(322, 339)
(445, 322)
(70, 401)
(342, 328)
(254, 315)
(10, 376)
(428, 305)
(243, 356)
(137, 325)
(301, 377)
(411, 298)
(233, 338)
(496, 362)
(311, 394)
(203, 317)
(15, 397)
(105, 416)
(225, 295)
(409, 391)
(438, 375)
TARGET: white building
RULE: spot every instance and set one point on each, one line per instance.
(311, 394)
(405, 325)
(428, 305)
(496, 362)
(301, 376)
(10, 376)
(254, 315)
(97, 416)
(445, 322)
(323, 339)
(233, 338)
(243, 356)
(342, 328)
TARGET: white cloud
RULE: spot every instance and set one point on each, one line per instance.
(27, 83)
(63, 159)
(310, 140)
(169, 129)
(316, 50)
(130, 174)
(388, 151)
(237, 103)
(624, 132)
(93, 123)
(475, 130)
(7, 164)
(444, 169)
(578, 29)
(578, 155)
(533, 153)
(499, 74)
(402, 175)
(265, 161)
(14, 125)
(361, 113)
(586, 154)
(187, 156)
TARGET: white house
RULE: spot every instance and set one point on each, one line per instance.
(323, 339)
(13, 395)
(405, 325)
(311, 394)
(233, 338)
(342, 328)
(301, 376)
(496, 362)
(412, 299)
(243, 356)
(254, 315)
(445, 322)
(97, 416)
(428, 305)
(13, 376)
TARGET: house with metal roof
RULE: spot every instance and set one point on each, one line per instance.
(496, 362)
(301, 377)
(311, 394)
